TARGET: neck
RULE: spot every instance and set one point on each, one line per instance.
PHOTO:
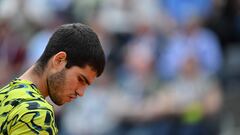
(40, 80)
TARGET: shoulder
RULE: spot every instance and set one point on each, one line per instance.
(23, 98)
(28, 105)
(32, 116)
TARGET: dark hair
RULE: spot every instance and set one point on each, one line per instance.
(81, 45)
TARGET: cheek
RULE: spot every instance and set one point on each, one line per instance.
(70, 86)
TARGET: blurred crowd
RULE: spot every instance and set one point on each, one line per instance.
(169, 62)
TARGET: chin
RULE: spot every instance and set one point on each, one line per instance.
(59, 103)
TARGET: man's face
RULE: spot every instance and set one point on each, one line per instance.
(67, 84)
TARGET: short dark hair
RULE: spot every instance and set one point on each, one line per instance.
(81, 45)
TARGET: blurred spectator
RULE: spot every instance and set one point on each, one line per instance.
(136, 78)
(139, 56)
(192, 98)
(182, 11)
(12, 52)
(192, 39)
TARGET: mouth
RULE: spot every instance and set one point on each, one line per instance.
(71, 98)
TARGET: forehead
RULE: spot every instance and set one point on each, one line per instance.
(86, 71)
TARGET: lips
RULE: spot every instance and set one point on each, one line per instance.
(71, 98)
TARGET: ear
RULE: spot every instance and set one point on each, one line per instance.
(59, 60)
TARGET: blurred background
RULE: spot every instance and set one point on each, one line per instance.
(173, 66)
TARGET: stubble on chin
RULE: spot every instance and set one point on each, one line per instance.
(55, 83)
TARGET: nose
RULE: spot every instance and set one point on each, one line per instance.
(80, 91)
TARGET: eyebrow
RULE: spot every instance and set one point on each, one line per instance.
(85, 79)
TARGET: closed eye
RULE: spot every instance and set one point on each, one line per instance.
(80, 79)
(83, 80)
